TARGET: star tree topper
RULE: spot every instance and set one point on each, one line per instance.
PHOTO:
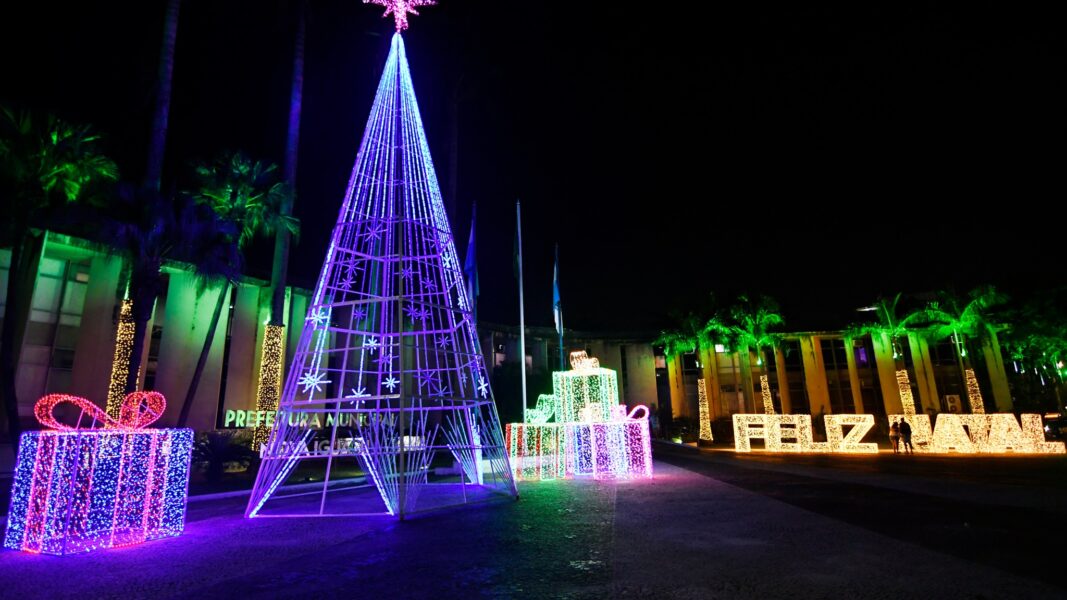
(400, 9)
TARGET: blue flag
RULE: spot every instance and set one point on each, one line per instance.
(470, 267)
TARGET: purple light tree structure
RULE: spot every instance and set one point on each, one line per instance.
(388, 370)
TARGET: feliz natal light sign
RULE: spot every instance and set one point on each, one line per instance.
(997, 433)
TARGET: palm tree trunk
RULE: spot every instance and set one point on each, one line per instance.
(209, 337)
(280, 266)
(765, 372)
(144, 287)
(269, 382)
(25, 261)
(963, 371)
(157, 145)
(711, 380)
(745, 358)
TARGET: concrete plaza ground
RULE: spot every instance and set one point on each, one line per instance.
(710, 525)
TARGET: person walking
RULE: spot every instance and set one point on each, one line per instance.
(894, 436)
(905, 435)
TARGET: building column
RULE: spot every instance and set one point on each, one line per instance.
(783, 381)
(710, 366)
(250, 312)
(149, 326)
(854, 377)
(186, 319)
(998, 374)
(887, 373)
(541, 360)
(924, 374)
(95, 348)
(748, 399)
(297, 309)
(815, 375)
(641, 373)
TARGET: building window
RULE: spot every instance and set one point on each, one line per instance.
(52, 331)
(159, 310)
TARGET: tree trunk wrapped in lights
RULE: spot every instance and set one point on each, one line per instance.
(270, 378)
(120, 364)
(705, 412)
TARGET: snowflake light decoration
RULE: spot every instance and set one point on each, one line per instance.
(313, 381)
(318, 318)
(425, 377)
(372, 344)
(391, 383)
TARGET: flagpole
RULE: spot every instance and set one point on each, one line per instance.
(559, 311)
(522, 313)
(470, 268)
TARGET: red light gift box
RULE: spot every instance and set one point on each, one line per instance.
(81, 489)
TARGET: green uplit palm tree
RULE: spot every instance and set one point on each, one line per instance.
(150, 229)
(248, 195)
(46, 164)
(683, 338)
(889, 324)
(960, 320)
(1036, 340)
(1043, 352)
(751, 322)
(893, 327)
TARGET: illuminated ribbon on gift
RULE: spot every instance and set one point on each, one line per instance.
(580, 361)
(637, 408)
(139, 410)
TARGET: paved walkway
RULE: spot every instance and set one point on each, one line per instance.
(720, 527)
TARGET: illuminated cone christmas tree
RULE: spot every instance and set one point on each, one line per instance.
(388, 370)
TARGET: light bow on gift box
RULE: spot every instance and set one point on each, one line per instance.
(100, 483)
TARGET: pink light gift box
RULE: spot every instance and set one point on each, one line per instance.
(81, 489)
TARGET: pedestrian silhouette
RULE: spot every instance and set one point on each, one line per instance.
(894, 436)
(905, 435)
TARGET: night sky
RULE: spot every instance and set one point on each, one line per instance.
(820, 155)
